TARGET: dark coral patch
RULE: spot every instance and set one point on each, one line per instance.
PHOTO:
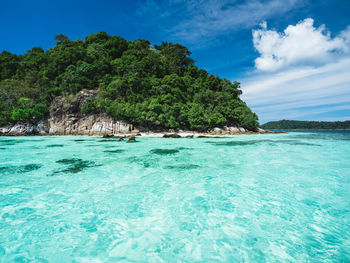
(164, 151)
(9, 142)
(54, 145)
(146, 161)
(29, 167)
(183, 166)
(20, 168)
(108, 140)
(236, 143)
(114, 151)
(68, 161)
(183, 148)
(75, 165)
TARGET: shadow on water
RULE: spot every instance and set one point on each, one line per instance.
(254, 142)
(75, 165)
(114, 151)
(183, 166)
(110, 140)
(20, 168)
(54, 145)
(183, 148)
(145, 161)
(9, 142)
(164, 151)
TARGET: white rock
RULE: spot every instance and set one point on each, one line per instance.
(42, 128)
(4, 130)
(233, 129)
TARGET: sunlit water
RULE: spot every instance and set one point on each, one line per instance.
(249, 198)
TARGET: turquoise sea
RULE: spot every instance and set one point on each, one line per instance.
(247, 198)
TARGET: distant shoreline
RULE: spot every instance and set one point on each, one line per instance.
(309, 129)
(306, 125)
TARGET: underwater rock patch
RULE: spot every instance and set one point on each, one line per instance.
(183, 148)
(164, 151)
(146, 161)
(75, 165)
(109, 140)
(236, 143)
(183, 166)
(54, 145)
(20, 168)
(114, 151)
(9, 142)
(29, 167)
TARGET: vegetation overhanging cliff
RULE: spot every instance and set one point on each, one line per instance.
(152, 86)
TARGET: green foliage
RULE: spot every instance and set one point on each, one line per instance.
(89, 106)
(291, 124)
(153, 86)
(26, 111)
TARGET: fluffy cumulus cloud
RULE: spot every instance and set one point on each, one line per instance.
(301, 73)
(302, 43)
(194, 20)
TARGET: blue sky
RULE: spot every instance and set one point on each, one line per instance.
(292, 57)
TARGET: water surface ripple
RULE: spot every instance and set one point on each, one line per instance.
(249, 198)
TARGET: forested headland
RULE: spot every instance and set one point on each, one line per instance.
(155, 86)
(290, 124)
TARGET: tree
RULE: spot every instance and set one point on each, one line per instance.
(60, 38)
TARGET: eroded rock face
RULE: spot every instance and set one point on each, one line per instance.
(217, 130)
(71, 125)
(42, 128)
(66, 119)
(232, 129)
(21, 128)
(228, 130)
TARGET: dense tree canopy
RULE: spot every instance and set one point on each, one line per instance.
(154, 86)
(290, 124)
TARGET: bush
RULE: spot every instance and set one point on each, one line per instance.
(89, 106)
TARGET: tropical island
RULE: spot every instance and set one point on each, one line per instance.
(107, 79)
(319, 125)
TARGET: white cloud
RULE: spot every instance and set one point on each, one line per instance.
(302, 73)
(199, 20)
(300, 44)
(300, 93)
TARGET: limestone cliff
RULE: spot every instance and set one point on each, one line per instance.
(66, 119)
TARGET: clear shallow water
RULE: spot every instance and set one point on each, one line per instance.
(249, 198)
